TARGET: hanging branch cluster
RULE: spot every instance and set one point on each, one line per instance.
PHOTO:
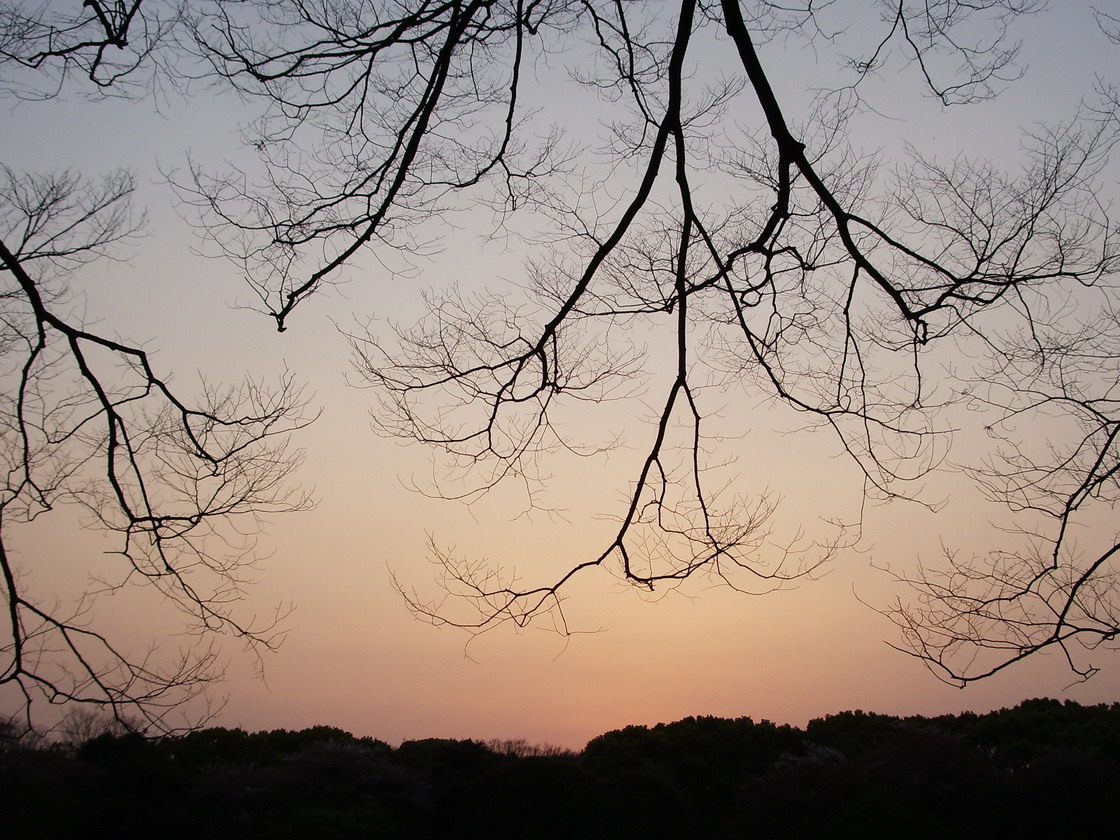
(1054, 390)
(111, 44)
(730, 227)
(772, 260)
(377, 117)
(87, 420)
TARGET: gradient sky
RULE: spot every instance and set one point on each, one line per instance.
(354, 657)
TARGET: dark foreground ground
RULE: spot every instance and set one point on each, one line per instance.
(1042, 769)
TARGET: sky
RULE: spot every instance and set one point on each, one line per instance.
(354, 656)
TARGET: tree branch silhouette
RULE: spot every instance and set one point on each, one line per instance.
(776, 260)
(86, 420)
(113, 44)
(725, 224)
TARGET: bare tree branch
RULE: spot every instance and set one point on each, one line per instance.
(815, 281)
(691, 256)
(87, 420)
(111, 43)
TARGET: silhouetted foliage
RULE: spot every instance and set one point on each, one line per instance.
(1021, 772)
(851, 733)
(534, 796)
(696, 766)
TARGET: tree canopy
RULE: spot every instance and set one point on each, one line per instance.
(847, 775)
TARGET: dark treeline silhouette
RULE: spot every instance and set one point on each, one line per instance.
(1042, 767)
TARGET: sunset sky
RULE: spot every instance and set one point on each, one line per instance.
(354, 656)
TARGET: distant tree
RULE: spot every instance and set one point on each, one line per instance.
(705, 758)
(914, 776)
(15, 736)
(211, 746)
(84, 723)
(852, 733)
(1015, 737)
(520, 748)
(547, 796)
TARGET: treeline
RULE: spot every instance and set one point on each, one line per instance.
(1043, 768)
